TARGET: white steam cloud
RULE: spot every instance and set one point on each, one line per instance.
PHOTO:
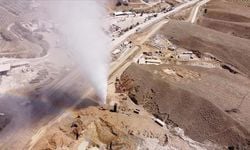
(81, 22)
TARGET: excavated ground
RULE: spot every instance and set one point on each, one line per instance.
(98, 128)
(200, 101)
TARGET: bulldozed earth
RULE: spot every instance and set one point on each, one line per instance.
(186, 87)
(208, 98)
(209, 103)
(101, 128)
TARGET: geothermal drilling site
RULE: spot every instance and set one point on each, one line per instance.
(124, 75)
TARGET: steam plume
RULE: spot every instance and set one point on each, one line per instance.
(81, 22)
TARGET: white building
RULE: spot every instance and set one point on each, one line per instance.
(116, 51)
(120, 13)
(149, 61)
(4, 68)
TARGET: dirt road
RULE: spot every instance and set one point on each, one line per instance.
(116, 68)
(194, 14)
(143, 26)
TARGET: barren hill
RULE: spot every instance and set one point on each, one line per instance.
(231, 17)
(193, 99)
(231, 50)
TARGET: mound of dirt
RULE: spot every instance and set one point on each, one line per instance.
(102, 128)
(228, 49)
(181, 104)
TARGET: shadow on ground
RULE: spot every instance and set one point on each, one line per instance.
(26, 114)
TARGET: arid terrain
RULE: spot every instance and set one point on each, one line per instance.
(207, 93)
(231, 18)
(207, 104)
(176, 73)
(141, 6)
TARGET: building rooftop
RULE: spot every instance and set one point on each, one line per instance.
(4, 67)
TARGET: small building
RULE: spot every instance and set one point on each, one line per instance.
(126, 42)
(185, 56)
(187, 53)
(148, 53)
(116, 51)
(149, 61)
(120, 13)
(4, 69)
(141, 60)
(153, 61)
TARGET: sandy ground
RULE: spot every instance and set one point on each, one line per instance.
(98, 127)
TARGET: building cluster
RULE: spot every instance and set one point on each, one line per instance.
(126, 21)
(163, 51)
(149, 60)
(126, 45)
(185, 55)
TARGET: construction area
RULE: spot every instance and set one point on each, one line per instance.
(177, 75)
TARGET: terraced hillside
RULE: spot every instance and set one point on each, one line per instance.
(231, 17)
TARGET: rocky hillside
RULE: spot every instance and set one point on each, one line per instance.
(188, 100)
